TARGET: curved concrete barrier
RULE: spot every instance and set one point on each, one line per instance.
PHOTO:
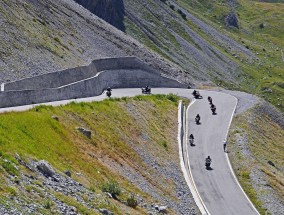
(68, 76)
(135, 75)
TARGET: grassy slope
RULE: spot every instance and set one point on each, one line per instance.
(253, 141)
(266, 43)
(116, 133)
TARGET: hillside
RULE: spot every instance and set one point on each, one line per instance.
(132, 147)
(200, 37)
(46, 36)
(256, 153)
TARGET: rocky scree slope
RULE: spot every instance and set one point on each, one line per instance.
(44, 36)
(178, 35)
(236, 43)
(256, 153)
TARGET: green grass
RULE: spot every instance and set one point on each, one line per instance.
(264, 140)
(35, 134)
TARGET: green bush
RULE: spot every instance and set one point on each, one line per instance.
(112, 187)
(131, 201)
(172, 97)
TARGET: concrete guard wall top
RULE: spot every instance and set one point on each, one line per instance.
(68, 76)
(124, 78)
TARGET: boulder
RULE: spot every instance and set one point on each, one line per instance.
(231, 20)
(68, 173)
(84, 131)
(271, 163)
(45, 168)
(105, 211)
(55, 118)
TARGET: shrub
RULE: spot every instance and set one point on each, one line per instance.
(13, 191)
(112, 187)
(261, 25)
(10, 168)
(172, 7)
(131, 201)
(172, 97)
(47, 204)
(182, 14)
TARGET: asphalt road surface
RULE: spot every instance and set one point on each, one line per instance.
(217, 187)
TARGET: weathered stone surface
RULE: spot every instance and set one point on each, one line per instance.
(68, 173)
(55, 118)
(84, 131)
(105, 211)
(231, 20)
(44, 167)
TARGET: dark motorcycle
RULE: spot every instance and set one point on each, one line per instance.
(108, 92)
(208, 162)
(213, 109)
(209, 100)
(191, 140)
(196, 94)
(146, 90)
(197, 119)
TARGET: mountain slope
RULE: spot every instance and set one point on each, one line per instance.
(132, 148)
(198, 36)
(46, 36)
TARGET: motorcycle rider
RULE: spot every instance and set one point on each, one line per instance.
(191, 139)
(197, 118)
(108, 92)
(209, 99)
(208, 161)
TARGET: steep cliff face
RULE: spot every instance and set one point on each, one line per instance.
(111, 11)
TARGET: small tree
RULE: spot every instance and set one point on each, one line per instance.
(132, 202)
(112, 187)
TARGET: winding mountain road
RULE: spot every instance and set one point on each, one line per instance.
(218, 188)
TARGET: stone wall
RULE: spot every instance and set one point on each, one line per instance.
(68, 76)
(135, 74)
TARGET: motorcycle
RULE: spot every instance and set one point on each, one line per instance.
(213, 109)
(146, 90)
(209, 100)
(108, 93)
(196, 94)
(207, 163)
(191, 140)
(197, 119)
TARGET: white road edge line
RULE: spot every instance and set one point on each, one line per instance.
(229, 163)
(188, 177)
(197, 198)
(2, 87)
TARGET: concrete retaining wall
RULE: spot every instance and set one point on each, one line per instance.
(124, 78)
(68, 76)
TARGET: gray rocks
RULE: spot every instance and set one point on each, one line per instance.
(68, 173)
(55, 118)
(105, 211)
(161, 209)
(271, 163)
(232, 20)
(44, 167)
(84, 131)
